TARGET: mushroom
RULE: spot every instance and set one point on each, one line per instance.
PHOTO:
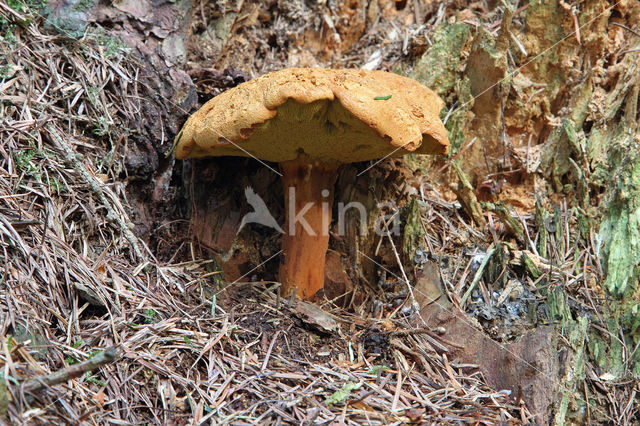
(311, 121)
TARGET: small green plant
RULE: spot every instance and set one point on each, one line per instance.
(101, 126)
(23, 159)
(340, 396)
(8, 35)
(89, 378)
(112, 46)
(23, 6)
(150, 316)
(377, 368)
(92, 95)
(55, 186)
(28, 8)
(24, 163)
(115, 47)
(4, 71)
(18, 5)
(84, 5)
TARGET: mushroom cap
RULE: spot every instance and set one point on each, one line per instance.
(329, 115)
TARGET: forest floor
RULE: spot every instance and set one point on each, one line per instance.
(96, 255)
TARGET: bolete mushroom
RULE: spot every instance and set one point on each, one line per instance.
(311, 121)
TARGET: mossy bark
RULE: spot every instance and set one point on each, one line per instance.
(618, 170)
(588, 137)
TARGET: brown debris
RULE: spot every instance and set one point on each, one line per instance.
(527, 368)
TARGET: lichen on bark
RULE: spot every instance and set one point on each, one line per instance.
(617, 138)
(439, 66)
(620, 229)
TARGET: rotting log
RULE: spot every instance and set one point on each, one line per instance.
(614, 147)
(218, 204)
(527, 367)
(587, 136)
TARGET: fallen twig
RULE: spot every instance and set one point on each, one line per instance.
(40, 383)
(97, 189)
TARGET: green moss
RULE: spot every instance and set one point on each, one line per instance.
(558, 306)
(620, 229)
(467, 197)
(529, 265)
(26, 163)
(25, 6)
(91, 379)
(570, 407)
(7, 35)
(71, 19)
(112, 46)
(83, 5)
(457, 119)
(514, 227)
(101, 126)
(496, 266)
(413, 233)
(568, 141)
(150, 316)
(542, 216)
(439, 67)
(619, 234)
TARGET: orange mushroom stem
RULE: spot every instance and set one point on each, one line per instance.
(308, 192)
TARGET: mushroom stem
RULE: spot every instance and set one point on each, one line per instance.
(308, 194)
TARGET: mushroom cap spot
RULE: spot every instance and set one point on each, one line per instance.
(328, 115)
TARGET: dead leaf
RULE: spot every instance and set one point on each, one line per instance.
(316, 317)
(340, 396)
(99, 398)
(415, 414)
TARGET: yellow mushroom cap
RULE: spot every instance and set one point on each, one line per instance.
(330, 115)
